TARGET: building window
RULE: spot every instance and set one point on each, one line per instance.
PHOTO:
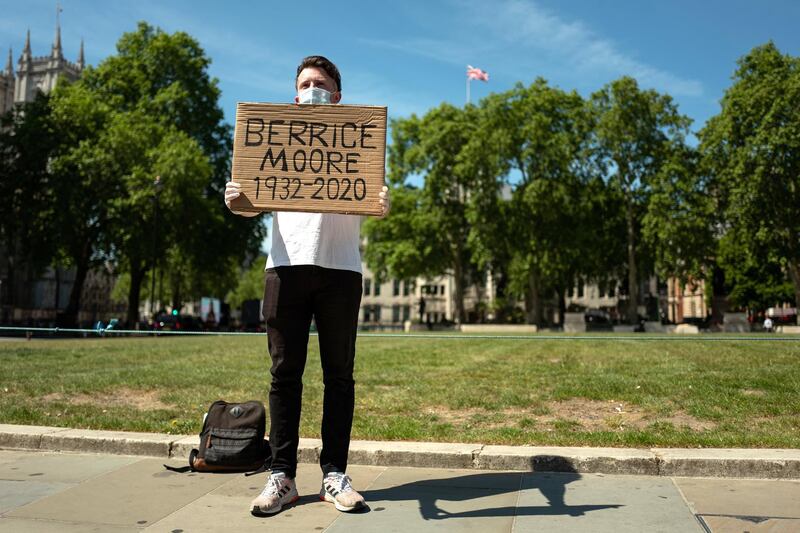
(367, 286)
(395, 313)
(377, 311)
(580, 289)
(366, 313)
(406, 287)
(611, 289)
(571, 292)
(406, 312)
(396, 288)
(441, 290)
(377, 288)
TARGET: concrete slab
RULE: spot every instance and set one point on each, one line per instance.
(58, 467)
(735, 463)
(418, 454)
(563, 459)
(14, 494)
(687, 329)
(742, 497)
(116, 442)
(595, 502)
(23, 525)
(420, 500)
(437, 477)
(226, 507)
(26, 437)
(726, 524)
(135, 495)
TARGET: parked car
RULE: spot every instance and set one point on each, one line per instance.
(782, 315)
(700, 322)
(166, 322)
(597, 320)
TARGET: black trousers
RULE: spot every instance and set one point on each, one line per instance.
(292, 296)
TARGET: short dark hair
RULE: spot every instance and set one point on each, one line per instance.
(320, 62)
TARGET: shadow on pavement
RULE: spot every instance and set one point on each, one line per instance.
(473, 486)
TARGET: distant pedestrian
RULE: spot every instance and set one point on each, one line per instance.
(768, 326)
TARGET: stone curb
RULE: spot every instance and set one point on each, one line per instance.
(739, 463)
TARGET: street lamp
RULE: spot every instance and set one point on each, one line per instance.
(156, 192)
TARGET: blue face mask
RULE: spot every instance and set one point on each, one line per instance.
(314, 95)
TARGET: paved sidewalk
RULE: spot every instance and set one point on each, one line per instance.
(70, 492)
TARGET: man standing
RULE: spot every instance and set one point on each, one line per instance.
(313, 271)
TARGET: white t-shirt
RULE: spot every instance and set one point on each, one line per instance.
(323, 239)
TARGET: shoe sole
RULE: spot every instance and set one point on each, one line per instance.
(339, 507)
(256, 511)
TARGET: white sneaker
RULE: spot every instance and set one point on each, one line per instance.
(336, 489)
(279, 491)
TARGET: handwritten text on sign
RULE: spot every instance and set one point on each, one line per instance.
(317, 158)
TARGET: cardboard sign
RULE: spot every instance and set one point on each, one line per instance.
(306, 157)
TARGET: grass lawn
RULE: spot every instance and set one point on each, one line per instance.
(599, 392)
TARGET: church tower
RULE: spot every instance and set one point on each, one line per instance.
(38, 74)
(7, 85)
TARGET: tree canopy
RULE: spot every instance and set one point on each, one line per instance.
(142, 162)
(752, 150)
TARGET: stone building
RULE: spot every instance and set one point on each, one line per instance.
(36, 74)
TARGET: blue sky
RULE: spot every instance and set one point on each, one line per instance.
(412, 55)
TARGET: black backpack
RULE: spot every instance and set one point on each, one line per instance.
(232, 440)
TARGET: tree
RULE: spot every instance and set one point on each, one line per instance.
(542, 133)
(752, 150)
(160, 117)
(250, 285)
(27, 141)
(145, 148)
(755, 279)
(428, 227)
(680, 222)
(634, 134)
(83, 179)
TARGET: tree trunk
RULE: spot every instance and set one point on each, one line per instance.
(176, 274)
(177, 302)
(562, 306)
(633, 285)
(459, 296)
(137, 278)
(10, 299)
(794, 273)
(57, 299)
(534, 299)
(81, 270)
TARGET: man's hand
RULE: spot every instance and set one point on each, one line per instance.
(385, 201)
(232, 192)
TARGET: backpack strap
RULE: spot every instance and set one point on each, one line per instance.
(183, 469)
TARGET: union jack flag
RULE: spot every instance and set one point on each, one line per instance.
(474, 73)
